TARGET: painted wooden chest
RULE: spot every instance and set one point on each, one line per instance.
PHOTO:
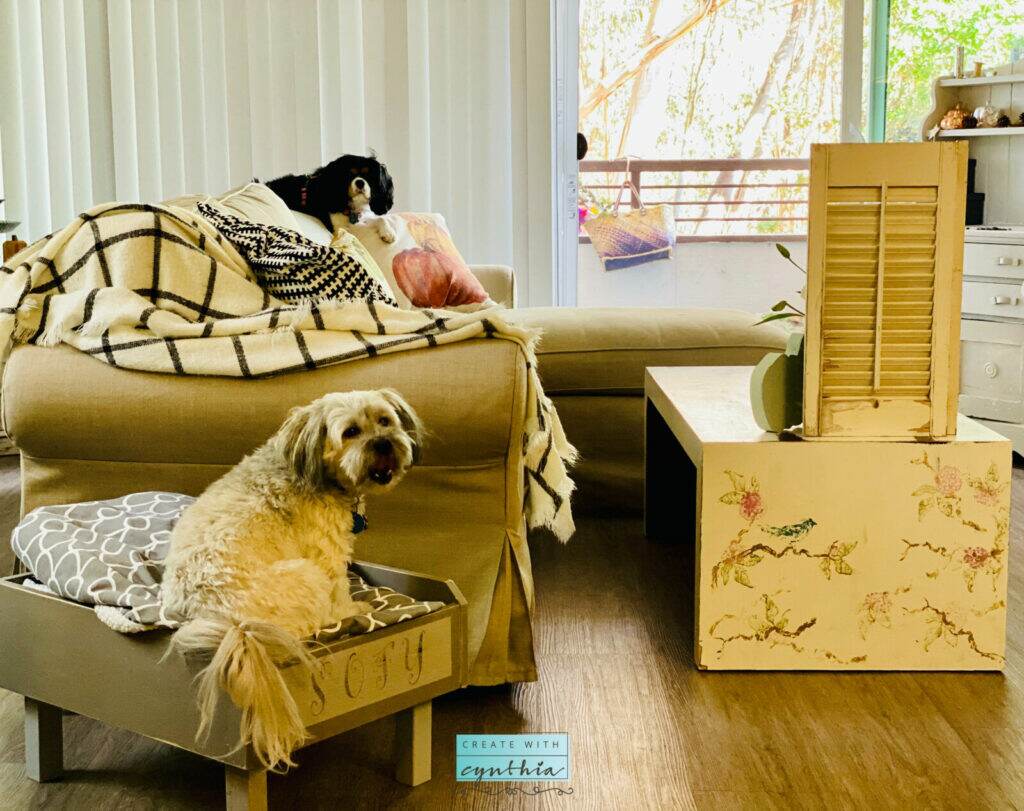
(871, 555)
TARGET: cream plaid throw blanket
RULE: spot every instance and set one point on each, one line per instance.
(157, 288)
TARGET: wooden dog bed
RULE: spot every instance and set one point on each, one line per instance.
(59, 656)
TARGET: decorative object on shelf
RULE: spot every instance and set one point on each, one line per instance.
(1003, 120)
(999, 85)
(777, 387)
(1020, 121)
(969, 122)
(958, 65)
(953, 119)
(1017, 48)
(987, 115)
(777, 383)
(978, 69)
(13, 246)
(884, 269)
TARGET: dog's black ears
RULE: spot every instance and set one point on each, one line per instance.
(410, 421)
(302, 440)
(383, 198)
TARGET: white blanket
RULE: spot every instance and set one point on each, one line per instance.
(157, 288)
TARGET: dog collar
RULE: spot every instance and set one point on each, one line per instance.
(302, 197)
(358, 522)
(353, 218)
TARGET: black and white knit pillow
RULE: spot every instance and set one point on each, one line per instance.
(295, 269)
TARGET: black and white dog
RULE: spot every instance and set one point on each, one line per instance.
(351, 187)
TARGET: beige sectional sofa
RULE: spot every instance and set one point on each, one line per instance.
(87, 430)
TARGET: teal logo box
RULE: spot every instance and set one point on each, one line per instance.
(512, 758)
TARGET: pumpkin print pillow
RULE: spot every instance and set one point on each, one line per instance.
(422, 265)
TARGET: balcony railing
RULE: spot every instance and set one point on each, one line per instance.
(732, 199)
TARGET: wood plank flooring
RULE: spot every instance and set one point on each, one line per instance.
(648, 730)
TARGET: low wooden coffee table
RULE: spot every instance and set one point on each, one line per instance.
(835, 555)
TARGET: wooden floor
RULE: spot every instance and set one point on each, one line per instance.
(648, 730)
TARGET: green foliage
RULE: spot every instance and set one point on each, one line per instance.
(835, 560)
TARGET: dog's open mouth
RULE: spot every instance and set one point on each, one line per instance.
(381, 475)
(382, 471)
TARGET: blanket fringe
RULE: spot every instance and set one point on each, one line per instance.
(116, 619)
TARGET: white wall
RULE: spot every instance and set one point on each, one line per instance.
(150, 99)
(742, 275)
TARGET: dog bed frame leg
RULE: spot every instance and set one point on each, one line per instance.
(412, 744)
(44, 741)
(245, 790)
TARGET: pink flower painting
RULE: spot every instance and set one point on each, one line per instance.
(751, 505)
(746, 495)
(976, 556)
(948, 481)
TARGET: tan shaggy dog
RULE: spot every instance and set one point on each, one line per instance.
(260, 562)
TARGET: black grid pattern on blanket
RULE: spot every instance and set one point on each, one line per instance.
(156, 288)
(296, 269)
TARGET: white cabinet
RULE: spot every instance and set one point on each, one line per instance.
(992, 331)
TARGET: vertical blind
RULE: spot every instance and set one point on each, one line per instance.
(150, 99)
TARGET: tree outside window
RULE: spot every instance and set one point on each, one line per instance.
(708, 79)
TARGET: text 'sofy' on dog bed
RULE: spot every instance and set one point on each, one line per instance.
(109, 555)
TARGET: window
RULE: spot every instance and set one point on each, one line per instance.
(723, 98)
(726, 95)
(740, 79)
(922, 42)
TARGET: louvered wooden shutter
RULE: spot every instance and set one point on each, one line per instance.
(884, 268)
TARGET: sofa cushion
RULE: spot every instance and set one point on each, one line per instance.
(606, 349)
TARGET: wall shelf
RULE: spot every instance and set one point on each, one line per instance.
(1003, 89)
(999, 151)
(980, 132)
(978, 81)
